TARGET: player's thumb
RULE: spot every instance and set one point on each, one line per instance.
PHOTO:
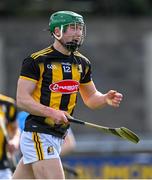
(111, 93)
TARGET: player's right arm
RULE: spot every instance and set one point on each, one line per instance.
(26, 102)
(25, 88)
(14, 136)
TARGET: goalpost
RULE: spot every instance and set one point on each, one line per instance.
(148, 79)
(2, 67)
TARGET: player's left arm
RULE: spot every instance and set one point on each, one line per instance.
(95, 99)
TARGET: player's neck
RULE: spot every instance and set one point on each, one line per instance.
(59, 47)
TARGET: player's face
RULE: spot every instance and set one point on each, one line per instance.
(73, 32)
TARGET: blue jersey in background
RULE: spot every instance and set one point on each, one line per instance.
(21, 117)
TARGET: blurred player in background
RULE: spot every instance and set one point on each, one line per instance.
(47, 89)
(9, 136)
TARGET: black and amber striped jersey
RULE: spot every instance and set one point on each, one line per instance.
(8, 108)
(8, 113)
(3, 152)
(57, 77)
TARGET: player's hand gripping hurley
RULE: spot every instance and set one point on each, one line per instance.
(122, 132)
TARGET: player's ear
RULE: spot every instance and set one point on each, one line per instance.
(57, 31)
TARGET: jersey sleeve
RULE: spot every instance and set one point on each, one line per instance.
(30, 69)
(8, 107)
(87, 74)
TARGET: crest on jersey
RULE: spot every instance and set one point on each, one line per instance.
(50, 150)
(65, 86)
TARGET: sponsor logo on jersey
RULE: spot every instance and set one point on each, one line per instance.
(65, 86)
(51, 66)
